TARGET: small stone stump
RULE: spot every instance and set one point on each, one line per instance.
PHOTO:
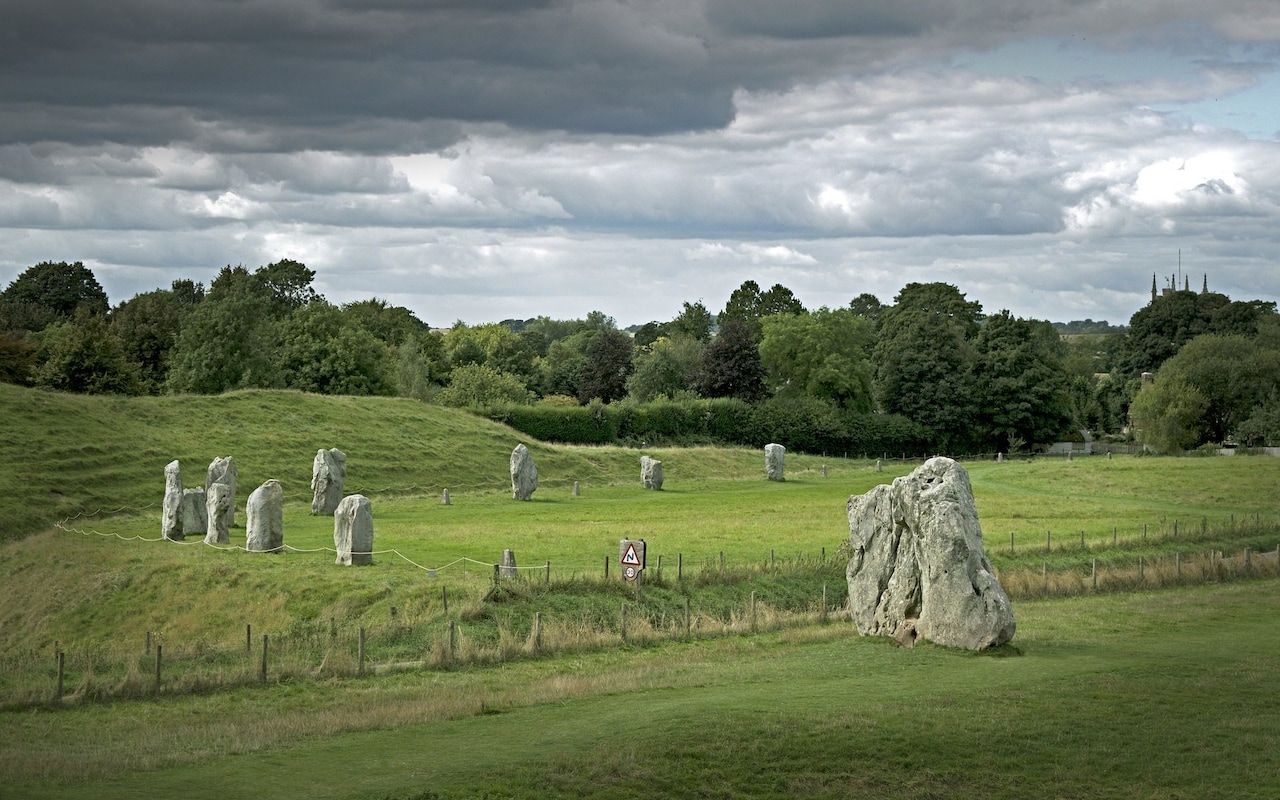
(328, 474)
(195, 517)
(507, 567)
(223, 470)
(524, 475)
(264, 519)
(651, 473)
(773, 456)
(171, 510)
(216, 500)
(353, 531)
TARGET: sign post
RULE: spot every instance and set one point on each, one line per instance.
(631, 558)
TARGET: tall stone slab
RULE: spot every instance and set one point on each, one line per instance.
(223, 470)
(171, 509)
(216, 500)
(524, 475)
(264, 519)
(353, 531)
(194, 514)
(919, 569)
(650, 473)
(773, 456)
(328, 474)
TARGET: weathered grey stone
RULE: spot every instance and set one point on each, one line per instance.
(353, 530)
(524, 475)
(171, 510)
(264, 519)
(223, 470)
(651, 473)
(507, 567)
(328, 474)
(216, 499)
(773, 456)
(194, 516)
(918, 567)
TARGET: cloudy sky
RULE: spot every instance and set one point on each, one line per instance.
(489, 159)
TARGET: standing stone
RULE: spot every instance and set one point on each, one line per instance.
(328, 473)
(194, 516)
(444, 498)
(264, 519)
(919, 569)
(353, 531)
(171, 510)
(216, 500)
(773, 455)
(507, 567)
(651, 473)
(223, 470)
(524, 475)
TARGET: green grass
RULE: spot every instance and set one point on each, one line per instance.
(1133, 694)
(1167, 694)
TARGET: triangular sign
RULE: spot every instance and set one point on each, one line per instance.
(629, 557)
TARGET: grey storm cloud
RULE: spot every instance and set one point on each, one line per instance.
(500, 158)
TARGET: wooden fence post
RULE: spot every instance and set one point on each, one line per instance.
(62, 663)
(1095, 573)
(262, 673)
(248, 638)
(1011, 550)
(548, 573)
(680, 564)
(606, 568)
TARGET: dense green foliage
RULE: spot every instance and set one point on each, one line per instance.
(965, 381)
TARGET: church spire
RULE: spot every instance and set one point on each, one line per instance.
(1205, 289)
(1153, 287)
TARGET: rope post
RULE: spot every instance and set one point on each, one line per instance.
(772, 563)
(680, 564)
(360, 653)
(496, 567)
(248, 638)
(1048, 541)
(548, 572)
(537, 631)
(659, 568)
(159, 650)
(62, 663)
(606, 568)
(1095, 573)
(1011, 550)
(262, 672)
(1081, 540)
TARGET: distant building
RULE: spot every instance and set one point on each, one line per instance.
(1173, 285)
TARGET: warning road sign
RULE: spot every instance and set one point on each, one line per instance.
(631, 557)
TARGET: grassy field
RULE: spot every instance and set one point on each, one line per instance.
(1137, 693)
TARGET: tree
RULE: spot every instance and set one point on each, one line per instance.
(392, 325)
(82, 355)
(730, 365)
(649, 333)
(480, 385)
(316, 350)
(1232, 374)
(750, 305)
(923, 360)
(821, 354)
(147, 326)
(693, 322)
(288, 283)
(50, 292)
(17, 357)
(666, 367)
(1167, 414)
(1159, 330)
(226, 341)
(1019, 381)
(606, 367)
(867, 306)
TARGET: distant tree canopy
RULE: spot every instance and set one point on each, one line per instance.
(929, 373)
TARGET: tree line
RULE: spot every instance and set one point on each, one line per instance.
(932, 368)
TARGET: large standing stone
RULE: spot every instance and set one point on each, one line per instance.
(524, 475)
(194, 515)
(328, 473)
(919, 569)
(651, 473)
(353, 531)
(171, 510)
(507, 566)
(216, 500)
(773, 455)
(264, 519)
(223, 470)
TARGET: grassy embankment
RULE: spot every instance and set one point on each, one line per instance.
(725, 710)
